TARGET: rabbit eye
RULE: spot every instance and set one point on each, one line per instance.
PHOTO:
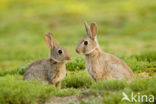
(85, 42)
(60, 51)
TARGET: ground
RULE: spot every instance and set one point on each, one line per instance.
(126, 28)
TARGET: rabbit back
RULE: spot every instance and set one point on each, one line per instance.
(119, 69)
(46, 70)
(104, 66)
(38, 70)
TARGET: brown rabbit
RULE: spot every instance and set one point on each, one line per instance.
(101, 65)
(52, 69)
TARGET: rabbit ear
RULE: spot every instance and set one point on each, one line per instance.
(47, 40)
(50, 40)
(87, 29)
(93, 28)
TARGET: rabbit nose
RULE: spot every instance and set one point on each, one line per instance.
(68, 58)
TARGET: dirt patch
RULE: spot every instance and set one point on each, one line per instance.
(86, 97)
(62, 100)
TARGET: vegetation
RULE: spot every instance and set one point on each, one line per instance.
(126, 28)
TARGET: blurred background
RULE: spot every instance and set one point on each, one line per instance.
(125, 27)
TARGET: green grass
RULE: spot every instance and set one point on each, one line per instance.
(16, 91)
(126, 28)
(111, 91)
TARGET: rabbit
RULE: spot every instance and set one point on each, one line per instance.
(101, 65)
(52, 69)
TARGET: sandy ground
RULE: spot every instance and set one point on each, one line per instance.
(62, 100)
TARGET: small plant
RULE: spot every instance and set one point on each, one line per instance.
(76, 64)
(77, 79)
(109, 85)
(139, 84)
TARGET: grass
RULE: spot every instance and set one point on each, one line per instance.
(17, 91)
(111, 91)
(125, 29)
(30, 92)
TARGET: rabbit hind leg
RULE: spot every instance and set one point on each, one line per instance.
(58, 84)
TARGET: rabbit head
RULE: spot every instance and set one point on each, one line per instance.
(89, 43)
(57, 53)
